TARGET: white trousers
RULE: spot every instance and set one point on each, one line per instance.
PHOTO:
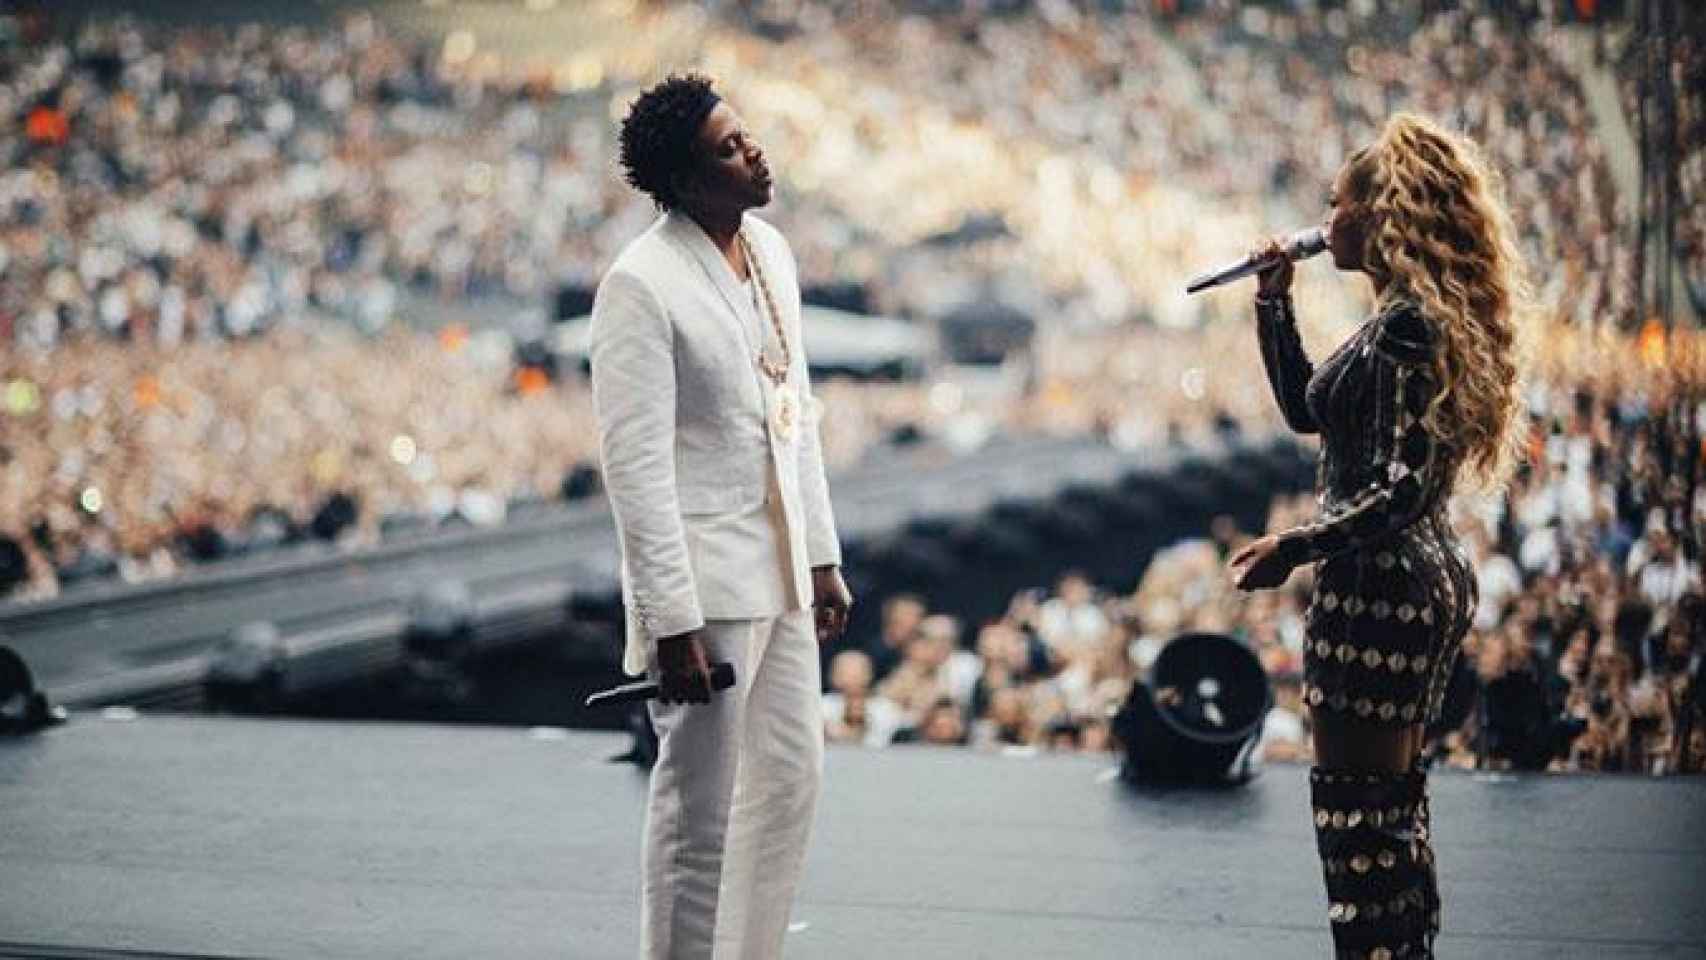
(732, 798)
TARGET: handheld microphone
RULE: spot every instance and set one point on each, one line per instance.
(722, 678)
(1299, 246)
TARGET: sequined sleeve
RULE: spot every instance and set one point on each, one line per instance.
(1287, 363)
(1411, 471)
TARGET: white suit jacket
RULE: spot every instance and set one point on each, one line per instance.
(688, 448)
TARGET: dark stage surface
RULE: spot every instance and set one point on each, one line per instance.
(218, 837)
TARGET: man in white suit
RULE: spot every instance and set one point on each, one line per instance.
(712, 461)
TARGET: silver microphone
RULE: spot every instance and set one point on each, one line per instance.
(1299, 246)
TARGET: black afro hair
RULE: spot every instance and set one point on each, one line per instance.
(658, 134)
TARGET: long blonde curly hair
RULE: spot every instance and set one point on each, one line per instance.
(1440, 233)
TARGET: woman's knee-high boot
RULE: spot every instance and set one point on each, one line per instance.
(1371, 834)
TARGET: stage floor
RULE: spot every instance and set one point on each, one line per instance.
(218, 837)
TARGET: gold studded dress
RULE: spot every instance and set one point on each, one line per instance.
(1394, 591)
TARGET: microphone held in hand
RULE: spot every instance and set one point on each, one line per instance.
(722, 678)
(1300, 246)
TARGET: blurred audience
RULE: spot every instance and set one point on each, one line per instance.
(217, 247)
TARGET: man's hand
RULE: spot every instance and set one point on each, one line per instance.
(684, 675)
(1259, 565)
(831, 603)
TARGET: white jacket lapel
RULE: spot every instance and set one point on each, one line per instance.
(691, 239)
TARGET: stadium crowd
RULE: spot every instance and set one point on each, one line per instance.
(141, 461)
(171, 182)
(169, 190)
(211, 242)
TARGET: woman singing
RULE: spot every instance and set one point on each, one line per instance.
(1423, 394)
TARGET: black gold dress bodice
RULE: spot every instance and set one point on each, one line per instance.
(1394, 592)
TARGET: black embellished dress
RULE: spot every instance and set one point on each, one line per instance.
(1394, 592)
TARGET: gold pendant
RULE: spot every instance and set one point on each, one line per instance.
(786, 414)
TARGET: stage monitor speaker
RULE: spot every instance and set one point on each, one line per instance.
(14, 565)
(1199, 718)
(583, 480)
(23, 708)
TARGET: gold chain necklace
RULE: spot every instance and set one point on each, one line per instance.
(778, 374)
